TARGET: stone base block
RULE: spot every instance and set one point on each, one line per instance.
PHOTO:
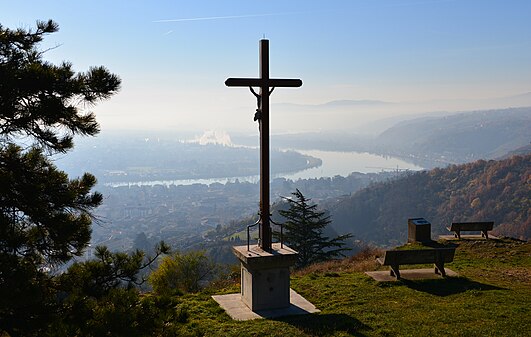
(265, 276)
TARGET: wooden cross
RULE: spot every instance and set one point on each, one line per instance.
(262, 115)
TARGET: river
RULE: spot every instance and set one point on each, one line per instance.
(344, 163)
(334, 163)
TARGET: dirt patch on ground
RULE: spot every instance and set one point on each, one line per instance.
(517, 274)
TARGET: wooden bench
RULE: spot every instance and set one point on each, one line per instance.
(437, 256)
(483, 227)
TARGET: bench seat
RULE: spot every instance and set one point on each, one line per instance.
(437, 256)
(483, 227)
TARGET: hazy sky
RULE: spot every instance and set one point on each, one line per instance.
(174, 56)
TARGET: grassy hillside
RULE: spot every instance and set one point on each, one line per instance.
(498, 191)
(491, 297)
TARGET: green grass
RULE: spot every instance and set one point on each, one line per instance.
(491, 297)
(243, 235)
(427, 245)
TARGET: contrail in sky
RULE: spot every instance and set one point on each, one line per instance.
(429, 2)
(223, 17)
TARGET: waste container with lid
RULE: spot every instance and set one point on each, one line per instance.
(418, 230)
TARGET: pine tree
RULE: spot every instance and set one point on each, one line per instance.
(303, 231)
(45, 218)
(42, 101)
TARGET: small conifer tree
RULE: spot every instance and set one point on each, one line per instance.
(303, 231)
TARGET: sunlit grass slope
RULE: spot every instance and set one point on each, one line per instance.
(491, 297)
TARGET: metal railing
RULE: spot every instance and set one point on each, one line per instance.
(248, 227)
(281, 232)
(259, 232)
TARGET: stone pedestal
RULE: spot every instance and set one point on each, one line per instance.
(265, 276)
(418, 230)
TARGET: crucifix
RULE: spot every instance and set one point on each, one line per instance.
(265, 268)
(266, 85)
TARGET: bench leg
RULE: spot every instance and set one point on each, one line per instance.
(485, 235)
(439, 269)
(458, 233)
(395, 271)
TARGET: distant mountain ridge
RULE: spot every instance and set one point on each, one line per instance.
(521, 151)
(347, 102)
(511, 101)
(462, 137)
(365, 116)
(498, 191)
(429, 140)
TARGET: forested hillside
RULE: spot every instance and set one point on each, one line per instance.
(498, 191)
(462, 137)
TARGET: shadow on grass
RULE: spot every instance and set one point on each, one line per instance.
(327, 324)
(448, 286)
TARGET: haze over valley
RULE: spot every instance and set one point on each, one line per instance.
(197, 190)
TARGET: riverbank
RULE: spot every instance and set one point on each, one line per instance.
(332, 163)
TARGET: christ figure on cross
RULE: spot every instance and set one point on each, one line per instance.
(266, 86)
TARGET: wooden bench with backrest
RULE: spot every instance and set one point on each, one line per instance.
(482, 227)
(437, 256)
